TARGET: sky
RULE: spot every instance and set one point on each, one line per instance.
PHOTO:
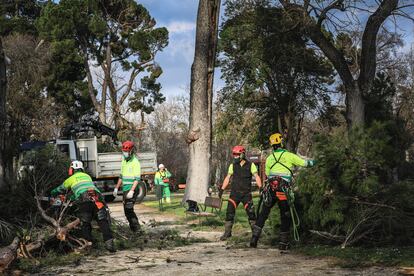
(179, 16)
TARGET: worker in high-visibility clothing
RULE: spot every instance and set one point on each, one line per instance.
(162, 178)
(129, 179)
(89, 202)
(240, 171)
(279, 167)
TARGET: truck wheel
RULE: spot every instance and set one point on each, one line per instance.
(109, 198)
(142, 192)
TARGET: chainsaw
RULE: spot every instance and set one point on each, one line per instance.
(57, 201)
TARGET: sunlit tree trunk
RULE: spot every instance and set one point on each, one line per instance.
(202, 74)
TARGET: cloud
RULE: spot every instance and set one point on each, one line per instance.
(178, 27)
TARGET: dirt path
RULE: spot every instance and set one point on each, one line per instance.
(210, 258)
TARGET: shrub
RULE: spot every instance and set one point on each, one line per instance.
(355, 195)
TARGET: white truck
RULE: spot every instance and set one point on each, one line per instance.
(105, 167)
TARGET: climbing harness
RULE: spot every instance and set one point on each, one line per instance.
(286, 188)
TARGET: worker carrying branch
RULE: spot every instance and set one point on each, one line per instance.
(129, 178)
(89, 203)
(279, 167)
(241, 172)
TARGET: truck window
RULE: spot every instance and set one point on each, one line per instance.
(83, 154)
(64, 148)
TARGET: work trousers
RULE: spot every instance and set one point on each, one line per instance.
(87, 211)
(281, 200)
(129, 210)
(234, 200)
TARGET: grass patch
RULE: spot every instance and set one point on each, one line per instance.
(361, 257)
(176, 208)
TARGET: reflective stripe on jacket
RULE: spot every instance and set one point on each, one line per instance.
(130, 171)
(78, 183)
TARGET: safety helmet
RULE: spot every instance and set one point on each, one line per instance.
(275, 139)
(238, 150)
(76, 165)
(161, 166)
(127, 146)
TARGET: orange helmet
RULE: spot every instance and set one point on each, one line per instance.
(127, 146)
(238, 150)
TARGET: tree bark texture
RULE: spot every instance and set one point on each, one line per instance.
(3, 114)
(198, 173)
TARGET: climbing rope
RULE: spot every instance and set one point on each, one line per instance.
(293, 213)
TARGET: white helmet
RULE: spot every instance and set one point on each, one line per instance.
(76, 165)
(161, 166)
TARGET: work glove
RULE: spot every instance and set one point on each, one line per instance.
(311, 163)
(115, 193)
(130, 194)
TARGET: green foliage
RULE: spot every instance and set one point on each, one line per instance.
(40, 171)
(354, 192)
(149, 95)
(83, 31)
(66, 79)
(380, 99)
(33, 266)
(18, 16)
(270, 70)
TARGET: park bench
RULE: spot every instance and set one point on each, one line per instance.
(215, 203)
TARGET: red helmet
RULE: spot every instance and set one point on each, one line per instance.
(238, 150)
(127, 146)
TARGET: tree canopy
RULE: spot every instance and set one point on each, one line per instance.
(117, 39)
(271, 70)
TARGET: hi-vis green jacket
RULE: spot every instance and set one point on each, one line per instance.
(130, 171)
(283, 164)
(160, 176)
(79, 183)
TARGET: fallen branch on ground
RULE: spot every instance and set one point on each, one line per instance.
(328, 235)
(8, 254)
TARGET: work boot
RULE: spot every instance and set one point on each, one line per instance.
(227, 230)
(252, 223)
(256, 231)
(109, 245)
(283, 242)
(134, 225)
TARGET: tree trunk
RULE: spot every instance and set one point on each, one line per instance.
(3, 114)
(355, 106)
(198, 174)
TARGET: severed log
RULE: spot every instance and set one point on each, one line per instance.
(8, 254)
(62, 232)
(406, 271)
